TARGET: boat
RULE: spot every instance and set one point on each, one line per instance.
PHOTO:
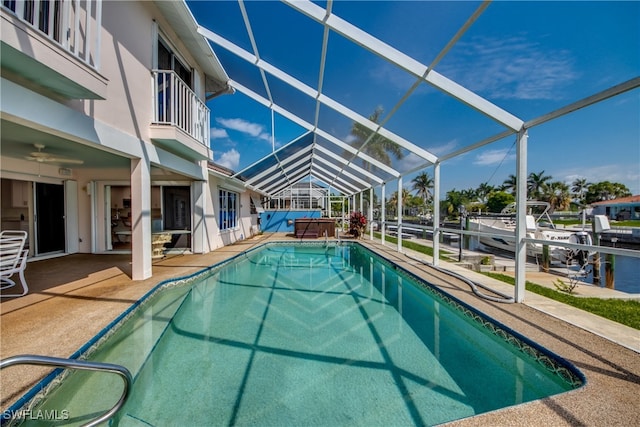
(498, 231)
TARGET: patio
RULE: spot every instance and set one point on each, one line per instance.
(72, 298)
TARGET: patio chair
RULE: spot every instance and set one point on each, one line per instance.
(13, 259)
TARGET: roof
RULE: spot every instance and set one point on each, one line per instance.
(619, 201)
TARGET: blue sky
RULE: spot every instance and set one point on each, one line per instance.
(528, 58)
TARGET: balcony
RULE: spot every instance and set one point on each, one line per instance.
(180, 120)
(54, 45)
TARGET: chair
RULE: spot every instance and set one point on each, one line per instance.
(13, 259)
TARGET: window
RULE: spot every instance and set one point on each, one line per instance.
(168, 61)
(228, 217)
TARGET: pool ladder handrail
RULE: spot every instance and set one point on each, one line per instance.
(32, 359)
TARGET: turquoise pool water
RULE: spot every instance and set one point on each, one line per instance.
(307, 335)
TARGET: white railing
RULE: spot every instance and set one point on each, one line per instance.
(75, 25)
(175, 104)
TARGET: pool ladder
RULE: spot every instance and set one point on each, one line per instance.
(30, 359)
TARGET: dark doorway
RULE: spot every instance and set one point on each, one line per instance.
(177, 215)
(177, 208)
(50, 223)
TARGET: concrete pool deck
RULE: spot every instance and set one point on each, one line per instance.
(73, 297)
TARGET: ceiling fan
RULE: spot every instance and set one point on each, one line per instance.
(41, 157)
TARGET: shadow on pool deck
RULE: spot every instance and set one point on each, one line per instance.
(72, 298)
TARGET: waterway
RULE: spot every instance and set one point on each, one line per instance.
(627, 274)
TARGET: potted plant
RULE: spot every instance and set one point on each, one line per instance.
(357, 224)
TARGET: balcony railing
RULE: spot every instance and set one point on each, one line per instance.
(75, 25)
(175, 104)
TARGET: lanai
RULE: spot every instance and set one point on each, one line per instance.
(323, 155)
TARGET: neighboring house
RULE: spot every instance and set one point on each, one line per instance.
(624, 208)
(105, 131)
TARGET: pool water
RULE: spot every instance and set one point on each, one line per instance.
(309, 335)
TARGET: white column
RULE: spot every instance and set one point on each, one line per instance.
(436, 213)
(140, 219)
(521, 212)
(399, 214)
(198, 228)
(383, 213)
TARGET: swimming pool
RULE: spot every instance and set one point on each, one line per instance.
(305, 334)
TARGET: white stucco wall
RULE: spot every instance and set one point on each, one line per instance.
(127, 51)
(218, 238)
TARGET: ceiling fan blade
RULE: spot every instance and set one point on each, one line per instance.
(49, 159)
(63, 160)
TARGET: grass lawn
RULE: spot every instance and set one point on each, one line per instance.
(626, 312)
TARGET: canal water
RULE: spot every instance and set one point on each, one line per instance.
(627, 270)
(627, 274)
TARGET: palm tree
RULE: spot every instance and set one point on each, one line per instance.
(483, 191)
(378, 147)
(393, 200)
(422, 184)
(536, 184)
(510, 184)
(579, 188)
(557, 194)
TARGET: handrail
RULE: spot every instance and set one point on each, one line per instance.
(31, 359)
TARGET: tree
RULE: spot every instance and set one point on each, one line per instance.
(379, 147)
(558, 196)
(498, 200)
(454, 200)
(422, 184)
(606, 190)
(579, 187)
(483, 191)
(392, 204)
(536, 183)
(510, 184)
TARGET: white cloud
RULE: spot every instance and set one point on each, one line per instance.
(255, 130)
(445, 148)
(217, 133)
(410, 161)
(511, 68)
(494, 157)
(349, 139)
(626, 175)
(229, 159)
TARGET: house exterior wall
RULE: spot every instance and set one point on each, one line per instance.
(247, 225)
(618, 211)
(120, 124)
